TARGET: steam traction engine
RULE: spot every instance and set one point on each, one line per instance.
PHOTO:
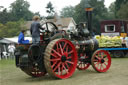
(59, 53)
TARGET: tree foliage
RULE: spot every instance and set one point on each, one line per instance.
(20, 9)
(123, 11)
(11, 29)
(50, 10)
(118, 4)
(5, 16)
(68, 11)
(111, 11)
(12, 21)
(99, 12)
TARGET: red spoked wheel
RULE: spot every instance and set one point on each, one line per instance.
(82, 64)
(60, 58)
(101, 61)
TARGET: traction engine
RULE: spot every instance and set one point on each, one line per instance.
(60, 53)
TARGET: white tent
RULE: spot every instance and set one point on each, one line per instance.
(15, 39)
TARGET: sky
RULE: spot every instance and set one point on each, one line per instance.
(39, 5)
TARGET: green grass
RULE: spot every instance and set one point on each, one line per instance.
(6, 63)
(116, 75)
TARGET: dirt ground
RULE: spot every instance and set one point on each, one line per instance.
(116, 75)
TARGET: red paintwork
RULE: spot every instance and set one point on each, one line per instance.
(82, 65)
(117, 24)
(63, 69)
(101, 61)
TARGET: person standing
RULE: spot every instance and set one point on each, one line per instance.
(11, 49)
(35, 30)
(126, 41)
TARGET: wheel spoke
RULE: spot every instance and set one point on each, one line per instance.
(70, 62)
(61, 48)
(70, 52)
(95, 60)
(66, 65)
(53, 55)
(65, 68)
(102, 55)
(105, 63)
(97, 57)
(54, 63)
(80, 64)
(57, 59)
(97, 64)
(100, 66)
(64, 45)
(59, 70)
(69, 57)
(103, 66)
(62, 70)
(56, 67)
(56, 52)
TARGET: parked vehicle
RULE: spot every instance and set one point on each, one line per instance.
(113, 28)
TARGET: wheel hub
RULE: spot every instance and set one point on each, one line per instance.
(63, 58)
(102, 61)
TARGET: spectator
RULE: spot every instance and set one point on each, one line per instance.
(126, 41)
(21, 38)
(11, 49)
(0, 53)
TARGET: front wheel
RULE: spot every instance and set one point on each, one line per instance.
(101, 61)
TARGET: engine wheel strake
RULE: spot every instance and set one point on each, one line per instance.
(60, 58)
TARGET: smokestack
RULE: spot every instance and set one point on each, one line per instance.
(89, 19)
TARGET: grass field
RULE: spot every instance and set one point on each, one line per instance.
(116, 75)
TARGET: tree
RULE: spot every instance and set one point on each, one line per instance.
(50, 10)
(3, 30)
(123, 11)
(111, 11)
(118, 4)
(80, 14)
(11, 29)
(99, 12)
(67, 11)
(20, 9)
(5, 16)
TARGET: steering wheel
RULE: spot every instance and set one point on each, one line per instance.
(49, 27)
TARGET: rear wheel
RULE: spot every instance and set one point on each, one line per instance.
(82, 64)
(101, 61)
(60, 58)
